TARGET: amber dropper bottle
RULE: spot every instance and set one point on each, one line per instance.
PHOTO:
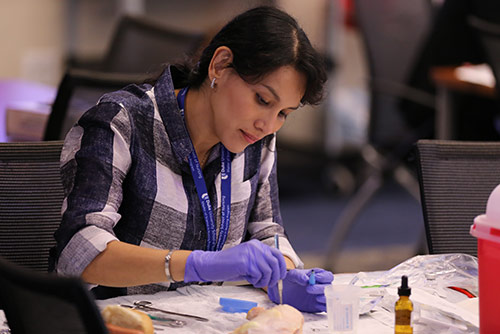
(403, 309)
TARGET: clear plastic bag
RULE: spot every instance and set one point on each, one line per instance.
(437, 276)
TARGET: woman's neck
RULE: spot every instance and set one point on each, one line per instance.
(199, 122)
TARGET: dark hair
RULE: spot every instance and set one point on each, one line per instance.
(262, 40)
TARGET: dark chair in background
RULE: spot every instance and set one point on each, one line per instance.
(393, 32)
(78, 91)
(140, 45)
(456, 179)
(138, 50)
(31, 197)
(42, 303)
(454, 42)
(488, 33)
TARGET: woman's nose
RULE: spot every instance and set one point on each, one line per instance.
(265, 125)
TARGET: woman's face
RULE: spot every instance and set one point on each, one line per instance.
(245, 113)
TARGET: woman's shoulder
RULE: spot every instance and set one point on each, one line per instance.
(130, 96)
(142, 99)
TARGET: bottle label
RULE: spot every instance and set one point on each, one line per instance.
(403, 317)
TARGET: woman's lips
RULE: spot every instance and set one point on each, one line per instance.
(249, 138)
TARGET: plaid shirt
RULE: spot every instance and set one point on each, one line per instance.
(126, 177)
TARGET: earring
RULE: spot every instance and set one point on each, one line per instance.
(212, 84)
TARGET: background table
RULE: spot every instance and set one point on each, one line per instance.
(447, 82)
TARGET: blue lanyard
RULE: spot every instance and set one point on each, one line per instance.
(201, 189)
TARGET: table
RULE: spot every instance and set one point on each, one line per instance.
(448, 80)
(428, 275)
(437, 308)
(15, 91)
(26, 121)
(204, 301)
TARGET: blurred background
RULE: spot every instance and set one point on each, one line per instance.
(348, 189)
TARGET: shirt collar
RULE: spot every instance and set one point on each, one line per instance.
(170, 114)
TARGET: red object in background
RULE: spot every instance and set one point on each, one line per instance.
(349, 17)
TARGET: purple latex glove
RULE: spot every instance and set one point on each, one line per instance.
(253, 261)
(298, 293)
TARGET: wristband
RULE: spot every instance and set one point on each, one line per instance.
(167, 266)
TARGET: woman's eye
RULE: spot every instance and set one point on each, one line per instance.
(261, 100)
(282, 114)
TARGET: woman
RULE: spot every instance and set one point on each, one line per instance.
(166, 186)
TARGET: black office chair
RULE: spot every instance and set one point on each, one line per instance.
(31, 197)
(393, 32)
(456, 179)
(41, 303)
(141, 45)
(78, 91)
(138, 51)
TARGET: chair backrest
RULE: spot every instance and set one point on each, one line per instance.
(393, 32)
(456, 179)
(140, 45)
(31, 197)
(78, 91)
(42, 303)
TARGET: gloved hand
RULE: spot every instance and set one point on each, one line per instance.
(298, 293)
(253, 261)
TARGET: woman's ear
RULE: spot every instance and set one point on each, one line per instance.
(222, 58)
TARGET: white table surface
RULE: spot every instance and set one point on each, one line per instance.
(204, 301)
(438, 309)
(436, 306)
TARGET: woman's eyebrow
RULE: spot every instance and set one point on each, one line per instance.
(271, 89)
(276, 96)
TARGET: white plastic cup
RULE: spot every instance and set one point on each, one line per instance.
(342, 306)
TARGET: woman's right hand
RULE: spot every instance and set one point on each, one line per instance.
(253, 261)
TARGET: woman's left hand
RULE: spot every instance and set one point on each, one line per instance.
(298, 293)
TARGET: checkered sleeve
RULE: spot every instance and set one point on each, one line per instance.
(265, 218)
(94, 161)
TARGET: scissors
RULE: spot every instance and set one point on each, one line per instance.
(169, 322)
(146, 306)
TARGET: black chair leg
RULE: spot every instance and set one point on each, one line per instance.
(384, 169)
(348, 216)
